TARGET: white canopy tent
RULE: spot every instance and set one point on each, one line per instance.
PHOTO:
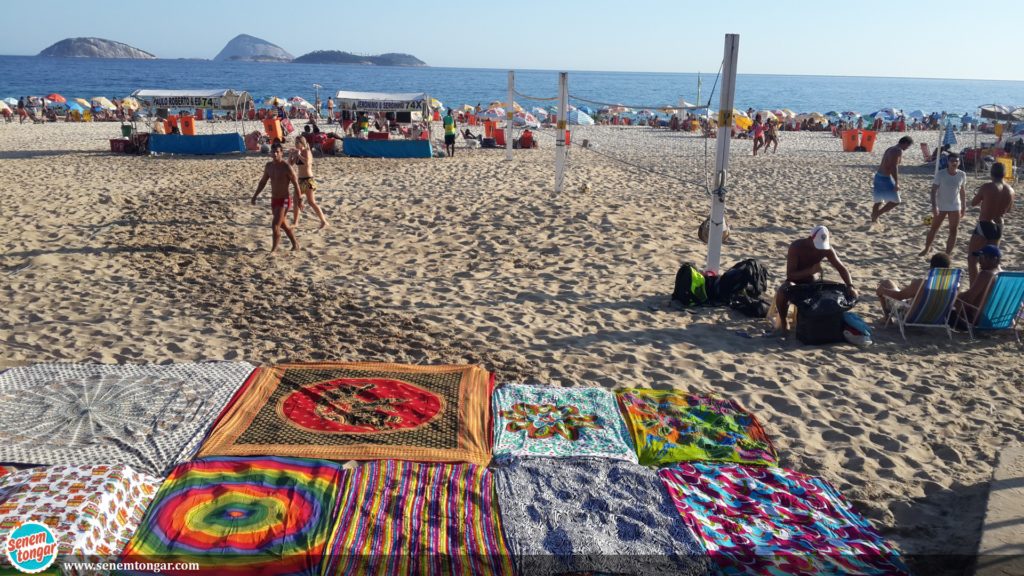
(203, 98)
(382, 101)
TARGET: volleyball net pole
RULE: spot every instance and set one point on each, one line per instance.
(563, 108)
(725, 119)
(509, 114)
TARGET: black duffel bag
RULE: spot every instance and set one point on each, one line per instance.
(820, 307)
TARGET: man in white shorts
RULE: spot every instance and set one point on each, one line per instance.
(949, 199)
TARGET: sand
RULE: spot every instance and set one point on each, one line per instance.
(110, 258)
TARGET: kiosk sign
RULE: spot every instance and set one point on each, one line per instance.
(31, 547)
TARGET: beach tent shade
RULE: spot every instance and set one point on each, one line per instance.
(199, 98)
(1001, 112)
(380, 101)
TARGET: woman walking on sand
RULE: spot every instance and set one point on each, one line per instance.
(758, 130)
(302, 159)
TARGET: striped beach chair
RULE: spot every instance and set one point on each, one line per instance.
(931, 306)
(1001, 308)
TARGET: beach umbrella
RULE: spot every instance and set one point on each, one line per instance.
(525, 119)
(4, 106)
(297, 100)
(586, 110)
(130, 103)
(11, 101)
(82, 102)
(75, 106)
(103, 102)
(668, 110)
(540, 112)
(56, 98)
(949, 138)
(493, 113)
(436, 104)
(275, 101)
(468, 108)
(767, 115)
(581, 118)
(916, 114)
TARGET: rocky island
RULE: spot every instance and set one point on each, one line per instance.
(94, 48)
(245, 48)
(338, 57)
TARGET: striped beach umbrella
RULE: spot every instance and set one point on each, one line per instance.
(82, 102)
(949, 139)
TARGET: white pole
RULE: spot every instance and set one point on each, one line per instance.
(563, 107)
(725, 106)
(509, 113)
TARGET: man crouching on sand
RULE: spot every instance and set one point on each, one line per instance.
(280, 175)
(803, 262)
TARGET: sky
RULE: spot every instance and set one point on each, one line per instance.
(902, 38)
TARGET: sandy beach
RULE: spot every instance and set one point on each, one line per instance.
(473, 259)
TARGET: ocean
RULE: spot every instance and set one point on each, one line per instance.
(86, 78)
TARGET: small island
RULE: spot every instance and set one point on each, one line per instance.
(94, 48)
(339, 57)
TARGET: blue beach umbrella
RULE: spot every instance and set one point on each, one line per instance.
(916, 114)
(949, 139)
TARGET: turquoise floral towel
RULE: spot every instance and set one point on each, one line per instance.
(559, 422)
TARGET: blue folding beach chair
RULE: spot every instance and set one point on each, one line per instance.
(931, 306)
(1000, 309)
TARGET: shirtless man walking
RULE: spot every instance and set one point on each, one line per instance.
(996, 200)
(887, 179)
(280, 175)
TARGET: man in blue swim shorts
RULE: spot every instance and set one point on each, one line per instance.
(887, 179)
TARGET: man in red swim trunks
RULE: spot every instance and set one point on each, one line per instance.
(280, 175)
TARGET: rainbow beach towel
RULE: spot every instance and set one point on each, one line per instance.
(240, 516)
(399, 517)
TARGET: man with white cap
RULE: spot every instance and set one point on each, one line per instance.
(803, 263)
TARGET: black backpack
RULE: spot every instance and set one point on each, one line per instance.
(746, 280)
(690, 287)
(820, 307)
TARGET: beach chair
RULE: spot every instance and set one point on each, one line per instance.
(1001, 308)
(931, 306)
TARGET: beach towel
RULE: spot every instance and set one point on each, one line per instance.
(761, 520)
(398, 517)
(360, 411)
(241, 516)
(592, 514)
(146, 416)
(671, 426)
(92, 511)
(558, 422)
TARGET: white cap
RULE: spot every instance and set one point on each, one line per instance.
(822, 238)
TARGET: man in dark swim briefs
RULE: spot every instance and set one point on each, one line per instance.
(281, 176)
(996, 200)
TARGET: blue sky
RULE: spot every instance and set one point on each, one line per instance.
(934, 39)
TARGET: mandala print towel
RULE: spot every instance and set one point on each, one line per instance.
(241, 516)
(592, 514)
(146, 416)
(757, 520)
(360, 411)
(669, 426)
(398, 518)
(558, 422)
(91, 510)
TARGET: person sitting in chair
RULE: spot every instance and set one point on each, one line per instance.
(890, 289)
(988, 258)
(469, 135)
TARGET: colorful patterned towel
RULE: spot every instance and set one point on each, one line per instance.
(757, 520)
(241, 516)
(148, 417)
(669, 426)
(361, 411)
(425, 519)
(559, 422)
(592, 514)
(91, 510)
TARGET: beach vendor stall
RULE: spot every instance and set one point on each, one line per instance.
(179, 135)
(406, 108)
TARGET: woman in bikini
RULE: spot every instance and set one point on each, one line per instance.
(758, 130)
(302, 159)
